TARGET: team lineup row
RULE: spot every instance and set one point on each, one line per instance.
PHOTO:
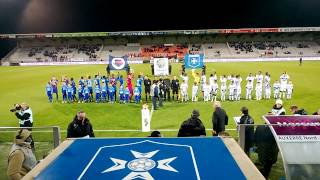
(105, 88)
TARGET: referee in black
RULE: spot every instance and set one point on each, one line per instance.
(175, 87)
(147, 87)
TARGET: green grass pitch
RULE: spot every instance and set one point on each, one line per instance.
(27, 84)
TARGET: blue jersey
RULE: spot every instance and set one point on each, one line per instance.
(104, 88)
(139, 82)
(81, 82)
(80, 89)
(49, 88)
(64, 88)
(126, 91)
(121, 91)
(73, 84)
(136, 91)
(120, 81)
(97, 89)
(69, 89)
(89, 83)
(111, 90)
(86, 90)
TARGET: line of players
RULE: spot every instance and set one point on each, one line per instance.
(282, 89)
(101, 87)
(105, 88)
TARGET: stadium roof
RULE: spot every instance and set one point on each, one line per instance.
(166, 32)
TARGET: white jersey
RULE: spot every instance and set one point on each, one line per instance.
(194, 90)
(203, 79)
(214, 88)
(237, 82)
(184, 87)
(284, 79)
(231, 89)
(276, 87)
(259, 78)
(212, 79)
(250, 80)
(185, 79)
(266, 81)
(206, 89)
(259, 87)
(223, 82)
(289, 88)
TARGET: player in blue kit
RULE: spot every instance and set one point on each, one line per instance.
(111, 94)
(97, 91)
(127, 94)
(104, 89)
(137, 95)
(64, 92)
(54, 84)
(121, 95)
(89, 85)
(97, 80)
(86, 93)
(70, 93)
(139, 83)
(81, 81)
(74, 90)
(49, 91)
(80, 93)
(120, 79)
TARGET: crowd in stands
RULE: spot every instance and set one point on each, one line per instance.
(176, 51)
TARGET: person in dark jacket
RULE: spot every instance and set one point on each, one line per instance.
(296, 111)
(192, 126)
(249, 130)
(80, 126)
(219, 119)
(267, 149)
(175, 86)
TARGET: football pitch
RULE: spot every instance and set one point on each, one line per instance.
(27, 84)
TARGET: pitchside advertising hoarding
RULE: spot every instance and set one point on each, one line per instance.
(193, 61)
(298, 138)
(161, 66)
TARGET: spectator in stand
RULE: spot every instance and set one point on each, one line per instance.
(192, 126)
(219, 119)
(296, 111)
(80, 126)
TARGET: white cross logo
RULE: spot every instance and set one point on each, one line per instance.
(141, 165)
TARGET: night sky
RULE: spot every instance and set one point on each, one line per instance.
(31, 16)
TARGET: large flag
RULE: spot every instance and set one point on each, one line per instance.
(118, 63)
(161, 66)
(193, 61)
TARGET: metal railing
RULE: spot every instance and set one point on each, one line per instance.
(55, 132)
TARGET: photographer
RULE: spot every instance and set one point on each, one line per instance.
(24, 114)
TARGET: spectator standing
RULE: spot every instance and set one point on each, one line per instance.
(219, 118)
(192, 126)
(249, 130)
(80, 126)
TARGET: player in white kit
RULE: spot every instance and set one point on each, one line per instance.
(289, 90)
(267, 86)
(276, 90)
(223, 90)
(283, 84)
(195, 88)
(237, 84)
(231, 91)
(206, 92)
(258, 91)
(184, 91)
(214, 91)
(249, 86)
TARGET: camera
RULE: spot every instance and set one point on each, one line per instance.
(17, 107)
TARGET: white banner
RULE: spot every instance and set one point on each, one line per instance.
(161, 66)
(262, 59)
(71, 63)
